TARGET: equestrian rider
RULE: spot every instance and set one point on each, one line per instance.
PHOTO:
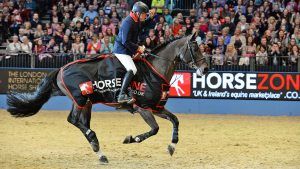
(126, 44)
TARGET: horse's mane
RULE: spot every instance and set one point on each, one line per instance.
(163, 45)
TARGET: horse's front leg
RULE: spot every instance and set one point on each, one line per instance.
(81, 119)
(165, 114)
(150, 120)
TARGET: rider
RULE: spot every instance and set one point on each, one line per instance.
(126, 44)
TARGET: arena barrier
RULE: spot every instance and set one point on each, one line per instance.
(242, 63)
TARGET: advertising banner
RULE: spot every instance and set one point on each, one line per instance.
(21, 80)
(236, 85)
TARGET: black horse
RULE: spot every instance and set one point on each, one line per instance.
(161, 63)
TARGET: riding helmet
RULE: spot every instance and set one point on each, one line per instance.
(140, 7)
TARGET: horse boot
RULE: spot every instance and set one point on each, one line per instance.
(123, 96)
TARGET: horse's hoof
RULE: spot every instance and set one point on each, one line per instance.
(103, 160)
(171, 149)
(128, 140)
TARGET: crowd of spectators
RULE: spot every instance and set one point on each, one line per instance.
(229, 32)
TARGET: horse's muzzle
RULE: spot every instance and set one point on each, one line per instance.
(202, 70)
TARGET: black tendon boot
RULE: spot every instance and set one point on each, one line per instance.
(123, 96)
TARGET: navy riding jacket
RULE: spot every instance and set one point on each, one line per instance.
(127, 39)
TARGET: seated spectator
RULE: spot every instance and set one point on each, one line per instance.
(97, 25)
(107, 46)
(168, 35)
(91, 14)
(94, 46)
(214, 26)
(86, 23)
(294, 55)
(149, 44)
(13, 48)
(39, 47)
(226, 36)
(248, 51)
(238, 40)
(229, 25)
(35, 20)
(231, 57)
(203, 26)
(218, 57)
(107, 24)
(78, 17)
(78, 46)
(167, 16)
(107, 7)
(243, 25)
(161, 40)
(189, 26)
(175, 27)
(153, 37)
(262, 56)
(39, 33)
(163, 23)
(240, 8)
(66, 45)
(275, 56)
(52, 47)
(26, 46)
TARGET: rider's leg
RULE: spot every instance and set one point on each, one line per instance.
(81, 119)
(128, 63)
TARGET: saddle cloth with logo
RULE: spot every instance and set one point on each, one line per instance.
(99, 80)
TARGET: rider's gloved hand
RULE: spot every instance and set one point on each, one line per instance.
(141, 49)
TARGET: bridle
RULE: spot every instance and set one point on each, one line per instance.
(179, 57)
(193, 62)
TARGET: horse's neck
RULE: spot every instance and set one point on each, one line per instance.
(165, 65)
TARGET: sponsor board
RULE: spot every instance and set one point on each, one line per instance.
(21, 80)
(250, 86)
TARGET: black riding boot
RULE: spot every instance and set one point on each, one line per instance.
(123, 96)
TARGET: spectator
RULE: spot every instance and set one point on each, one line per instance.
(26, 46)
(14, 47)
(78, 17)
(39, 33)
(167, 16)
(107, 46)
(231, 57)
(149, 44)
(176, 27)
(35, 20)
(275, 55)
(262, 56)
(66, 45)
(229, 25)
(214, 26)
(91, 14)
(238, 40)
(94, 46)
(218, 57)
(203, 26)
(168, 35)
(107, 24)
(294, 55)
(78, 47)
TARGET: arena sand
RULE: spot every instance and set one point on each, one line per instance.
(48, 141)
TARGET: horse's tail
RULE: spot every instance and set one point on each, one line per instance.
(28, 104)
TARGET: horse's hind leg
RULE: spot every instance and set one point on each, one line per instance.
(81, 119)
(165, 114)
(150, 120)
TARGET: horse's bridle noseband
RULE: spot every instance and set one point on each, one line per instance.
(192, 56)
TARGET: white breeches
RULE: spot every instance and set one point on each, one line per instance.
(127, 62)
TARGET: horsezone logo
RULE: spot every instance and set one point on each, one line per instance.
(254, 86)
(181, 84)
(86, 88)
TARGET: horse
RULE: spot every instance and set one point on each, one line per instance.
(162, 61)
